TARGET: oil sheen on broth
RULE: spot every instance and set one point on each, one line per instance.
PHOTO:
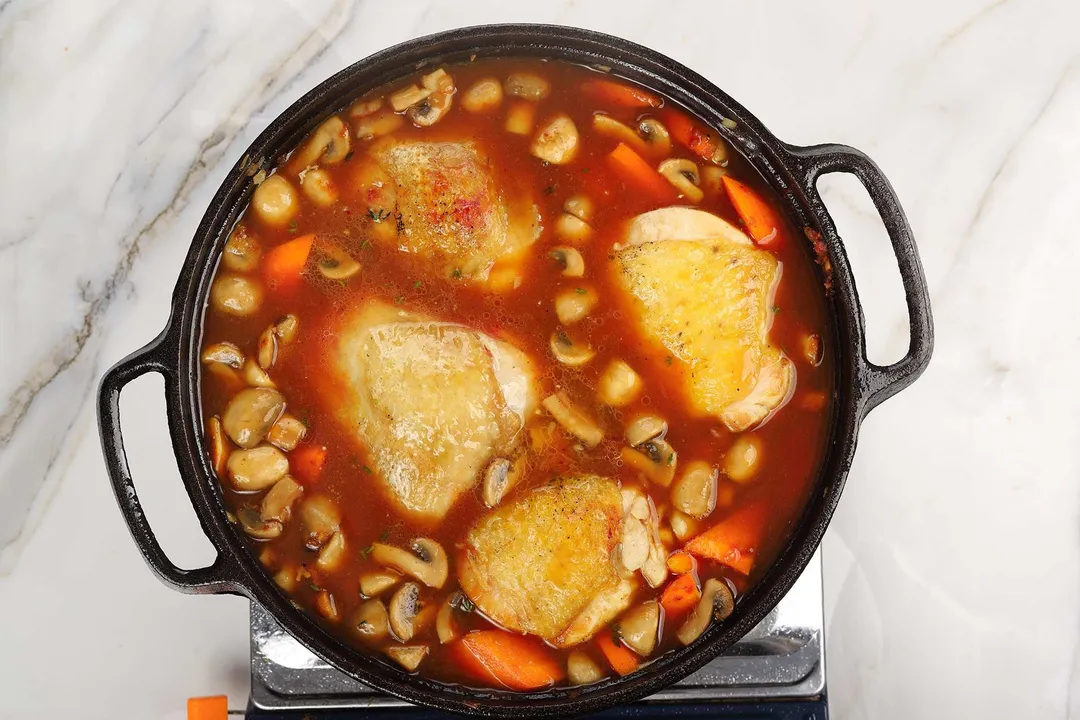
(515, 376)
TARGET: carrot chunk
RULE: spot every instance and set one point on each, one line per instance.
(306, 463)
(514, 661)
(701, 141)
(621, 94)
(631, 165)
(283, 264)
(733, 541)
(758, 216)
(622, 660)
(208, 708)
(680, 595)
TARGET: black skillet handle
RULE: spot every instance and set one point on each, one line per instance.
(881, 382)
(151, 358)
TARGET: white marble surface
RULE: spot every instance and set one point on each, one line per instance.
(953, 565)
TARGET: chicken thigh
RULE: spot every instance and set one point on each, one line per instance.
(703, 290)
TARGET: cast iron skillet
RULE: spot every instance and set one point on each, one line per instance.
(791, 171)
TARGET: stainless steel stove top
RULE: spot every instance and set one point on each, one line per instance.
(782, 658)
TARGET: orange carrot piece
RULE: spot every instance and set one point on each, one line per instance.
(208, 708)
(633, 166)
(758, 216)
(307, 463)
(680, 595)
(701, 141)
(622, 660)
(733, 541)
(622, 94)
(680, 562)
(284, 263)
(514, 661)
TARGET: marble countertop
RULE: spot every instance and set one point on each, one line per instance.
(952, 569)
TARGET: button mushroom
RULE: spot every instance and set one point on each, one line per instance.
(286, 433)
(557, 141)
(427, 561)
(609, 126)
(619, 385)
(571, 228)
(267, 348)
(445, 624)
(694, 493)
(286, 328)
(655, 460)
(225, 353)
(657, 139)
(499, 478)
(407, 96)
(250, 415)
(574, 304)
(364, 107)
(235, 295)
(403, 609)
(483, 96)
(639, 628)
(407, 656)
(582, 669)
(573, 420)
(717, 601)
(743, 459)
(321, 519)
(275, 201)
(373, 584)
(573, 265)
(643, 428)
(683, 526)
(333, 553)
(319, 187)
(683, 174)
(712, 179)
(241, 251)
(371, 621)
(255, 526)
(568, 352)
(527, 86)
(255, 376)
(218, 445)
(328, 145)
(336, 264)
(278, 502)
(378, 124)
(581, 207)
(257, 468)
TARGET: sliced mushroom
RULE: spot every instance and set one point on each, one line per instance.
(572, 229)
(743, 459)
(278, 502)
(321, 519)
(404, 606)
(286, 433)
(520, 118)
(445, 624)
(267, 350)
(483, 96)
(255, 526)
(427, 561)
(373, 584)
(574, 304)
(655, 460)
(408, 96)
(431, 109)
(257, 468)
(333, 553)
(656, 136)
(557, 141)
(365, 107)
(619, 385)
(241, 251)
(609, 126)
(225, 353)
(235, 295)
(683, 526)
(639, 628)
(570, 260)
(634, 544)
(582, 669)
(218, 445)
(378, 124)
(255, 376)
(568, 352)
(275, 201)
(286, 328)
(712, 179)
(250, 415)
(717, 601)
(407, 656)
(327, 606)
(328, 145)
(573, 420)
(335, 263)
(683, 174)
(371, 621)
(694, 493)
(581, 207)
(812, 349)
(643, 428)
(500, 478)
(319, 187)
(527, 86)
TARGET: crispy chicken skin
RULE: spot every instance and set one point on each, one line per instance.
(703, 290)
